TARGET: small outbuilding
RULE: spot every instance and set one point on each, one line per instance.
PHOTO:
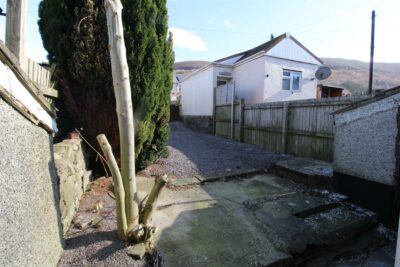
(366, 153)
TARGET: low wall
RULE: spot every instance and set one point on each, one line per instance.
(202, 124)
(30, 225)
(74, 177)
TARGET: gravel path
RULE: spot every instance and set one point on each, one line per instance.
(193, 153)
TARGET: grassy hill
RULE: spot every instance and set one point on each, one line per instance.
(354, 74)
(351, 74)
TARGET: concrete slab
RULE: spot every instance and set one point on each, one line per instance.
(307, 171)
(229, 175)
(209, 226)
(245, 222)
(182, 182)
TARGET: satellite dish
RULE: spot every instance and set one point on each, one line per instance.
(323, 73)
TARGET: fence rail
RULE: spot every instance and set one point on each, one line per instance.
(301, 128)
(41, 77)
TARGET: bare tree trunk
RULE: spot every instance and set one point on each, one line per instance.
(118, 185)
(122, 90)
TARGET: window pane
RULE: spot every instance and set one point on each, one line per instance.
(285, 84)
(296, 81)
(286, 73)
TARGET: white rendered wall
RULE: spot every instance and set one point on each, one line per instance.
(273, 83)
(249, 80)
(14, 87)
(198, 93)
(365, 141)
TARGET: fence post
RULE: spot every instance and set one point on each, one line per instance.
(214, 110)
(285, 124)
(16, 19)
(241, 120)
(233, 112)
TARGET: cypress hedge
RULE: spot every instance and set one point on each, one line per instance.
(74, 33)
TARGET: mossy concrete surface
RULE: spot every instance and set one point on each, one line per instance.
(260, 221)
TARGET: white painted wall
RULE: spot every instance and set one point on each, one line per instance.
(15, 88)
(198, 93)
(249, 80)
(289, 49)
(273, 83)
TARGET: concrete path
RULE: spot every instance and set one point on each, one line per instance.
(259, 221)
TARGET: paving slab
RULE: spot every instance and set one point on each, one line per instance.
(230, 174)
(245, 222)
(182, 182)
(209, 226)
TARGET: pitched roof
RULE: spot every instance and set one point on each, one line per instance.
(264, 47)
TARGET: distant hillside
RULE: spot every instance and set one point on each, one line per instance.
(190, 65)
(354, 74)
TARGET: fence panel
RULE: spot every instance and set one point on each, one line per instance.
(309, 130)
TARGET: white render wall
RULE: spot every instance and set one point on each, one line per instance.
(16, 89)
(198, 94)
(365, 141)
(249, 80)
(273, 83)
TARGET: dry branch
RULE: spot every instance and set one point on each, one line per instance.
(152, 200)
(118, 186)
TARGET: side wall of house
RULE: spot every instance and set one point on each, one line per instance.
(273, 81)
(197, 100)
(249, 80)
(30, 226)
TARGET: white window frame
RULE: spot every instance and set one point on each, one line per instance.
(291, 80)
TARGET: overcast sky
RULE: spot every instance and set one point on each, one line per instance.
(212, 29)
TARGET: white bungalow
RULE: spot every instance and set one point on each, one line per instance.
(279, 70)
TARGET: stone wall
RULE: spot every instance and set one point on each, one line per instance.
(74, 177)
(30, 225)
(202, 124)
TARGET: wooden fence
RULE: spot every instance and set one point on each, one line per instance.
(302, 128)
(41, 77)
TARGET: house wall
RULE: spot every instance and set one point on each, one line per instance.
(249, 80)
(273, 81)
(197, 100)
(30, 225)
(365, 141)
(198, 93)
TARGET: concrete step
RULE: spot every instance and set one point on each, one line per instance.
(306, 171)
(338, 228)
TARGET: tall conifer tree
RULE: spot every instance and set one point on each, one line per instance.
(74, 33)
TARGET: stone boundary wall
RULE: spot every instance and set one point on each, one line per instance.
(74, 177)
